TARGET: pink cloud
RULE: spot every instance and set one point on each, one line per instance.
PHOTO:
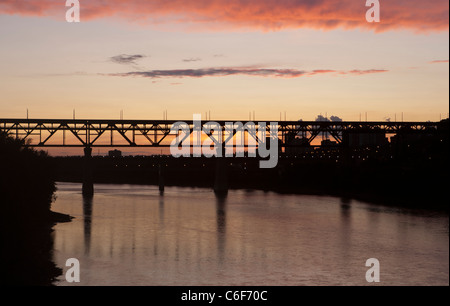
(361, 72)
(416, 15)
(221, 72)
(439, 61)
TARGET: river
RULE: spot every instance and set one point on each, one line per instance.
(130, 235)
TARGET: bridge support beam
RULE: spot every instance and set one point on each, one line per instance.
(88, 182)
(221, 177)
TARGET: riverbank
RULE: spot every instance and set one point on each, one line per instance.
(27, 190)
(27, 249)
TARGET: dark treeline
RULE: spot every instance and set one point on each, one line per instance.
(26, 191)
(406, 173)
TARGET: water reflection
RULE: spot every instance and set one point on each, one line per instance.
(346, 227)
(87, 218)
(221, 225)
(345, 207)
(192, 237)
(161, 210)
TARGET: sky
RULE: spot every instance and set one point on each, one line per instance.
(226, 57)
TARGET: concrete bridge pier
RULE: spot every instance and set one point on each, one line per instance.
(88, 182)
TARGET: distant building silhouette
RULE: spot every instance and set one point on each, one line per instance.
(298, 145)
(328, 143)
(115, 153)
(364, 139)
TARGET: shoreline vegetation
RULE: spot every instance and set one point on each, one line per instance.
(26, 221)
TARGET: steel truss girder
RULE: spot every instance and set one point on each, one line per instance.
(156, 132)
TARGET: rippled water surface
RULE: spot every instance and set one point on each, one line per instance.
(130, 235)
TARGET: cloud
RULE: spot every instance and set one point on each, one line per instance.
(361, 72)
(195, 59)
(438, 61)
(210, 72)
(326, 119)
(335, 119)
(126, 59)
(321, 118)
(229, 71)
(266, 15)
